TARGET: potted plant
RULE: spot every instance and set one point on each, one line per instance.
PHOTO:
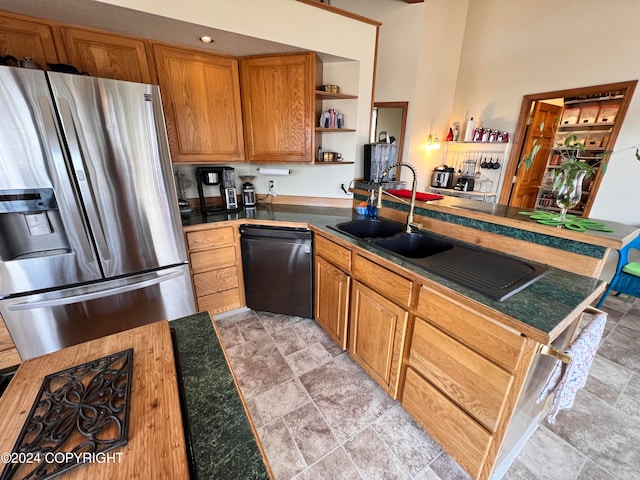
(573, 170)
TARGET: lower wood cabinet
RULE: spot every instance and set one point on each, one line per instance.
(456, 431)
(216, 266)
(377, 329)
(464, 373)
(8, 353)
(332, 300)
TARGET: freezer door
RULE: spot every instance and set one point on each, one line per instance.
(47, 322)
(119, 154)
(43, 239)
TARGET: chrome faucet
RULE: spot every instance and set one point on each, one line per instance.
(410, 223)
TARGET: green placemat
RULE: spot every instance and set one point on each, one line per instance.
(571, 222)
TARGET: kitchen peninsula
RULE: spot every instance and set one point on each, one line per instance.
(487, 390)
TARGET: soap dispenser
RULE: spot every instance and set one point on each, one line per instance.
(372, 208)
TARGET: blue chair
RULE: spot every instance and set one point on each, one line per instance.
(627, 277)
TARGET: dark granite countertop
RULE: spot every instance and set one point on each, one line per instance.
(545, 305)
(223, 442)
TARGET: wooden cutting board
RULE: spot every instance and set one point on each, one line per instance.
(156, 444)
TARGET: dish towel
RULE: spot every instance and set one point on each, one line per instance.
(582, 352)
(419, 195)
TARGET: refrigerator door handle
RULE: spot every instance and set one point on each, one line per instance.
(145, 281)
(60, 167)
(77, 161)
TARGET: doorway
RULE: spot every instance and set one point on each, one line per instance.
(547, 109)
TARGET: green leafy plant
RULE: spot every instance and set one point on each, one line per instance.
(572, 163)
(571, 151)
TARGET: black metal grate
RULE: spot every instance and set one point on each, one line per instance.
(78, 413)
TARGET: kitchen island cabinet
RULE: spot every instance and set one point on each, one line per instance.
(155, 445)
(224, 442)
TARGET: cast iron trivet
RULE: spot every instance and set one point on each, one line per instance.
(83, 410)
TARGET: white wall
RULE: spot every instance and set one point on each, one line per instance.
(418, 57)
(511, 48)
(532, 46)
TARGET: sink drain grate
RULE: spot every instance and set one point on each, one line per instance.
(489, 273)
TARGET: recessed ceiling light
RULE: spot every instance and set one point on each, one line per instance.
(205, 39)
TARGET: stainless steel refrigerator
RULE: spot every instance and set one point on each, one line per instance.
(91, 239)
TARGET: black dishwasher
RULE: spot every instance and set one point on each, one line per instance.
(278, 269)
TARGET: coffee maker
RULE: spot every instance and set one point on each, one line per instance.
(248, 191)
(225, 177)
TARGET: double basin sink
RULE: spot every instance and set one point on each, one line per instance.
(493, 274)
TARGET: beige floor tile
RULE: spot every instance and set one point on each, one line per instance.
(373, 458)
(310, 432)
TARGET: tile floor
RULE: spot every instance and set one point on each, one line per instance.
(320, 416)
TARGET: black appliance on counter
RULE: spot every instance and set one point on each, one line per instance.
(377, 158)
(464, 184)
(225, 177)
(278, 269)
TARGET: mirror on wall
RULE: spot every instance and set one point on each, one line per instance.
(389, 117)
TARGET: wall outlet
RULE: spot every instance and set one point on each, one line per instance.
(271, 184)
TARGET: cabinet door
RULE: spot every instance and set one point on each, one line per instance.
(23, 38)
(278, 103)
(376, 336)
(332, 300)
(108, 56)
(201, 98)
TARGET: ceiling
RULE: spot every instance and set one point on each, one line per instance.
(140, 24)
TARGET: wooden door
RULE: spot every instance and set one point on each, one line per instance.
(332, 300)
(24, 38)
(527, 185)
(376, 335)
(108, 56)
(278, 107)
(201, 99)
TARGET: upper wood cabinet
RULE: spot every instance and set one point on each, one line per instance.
(201, 98)
(108, 56)
(24, 38)
(278, 106)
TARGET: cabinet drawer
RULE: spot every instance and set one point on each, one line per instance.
(213, 238)
(474, 330)
(477, 385)
(386, 282)
(215, 281)
(336, 254)
(459, 434)
(220, 302)
(213, 259)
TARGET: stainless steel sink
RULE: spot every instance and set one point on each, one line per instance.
(371, 228)
(414, 245)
